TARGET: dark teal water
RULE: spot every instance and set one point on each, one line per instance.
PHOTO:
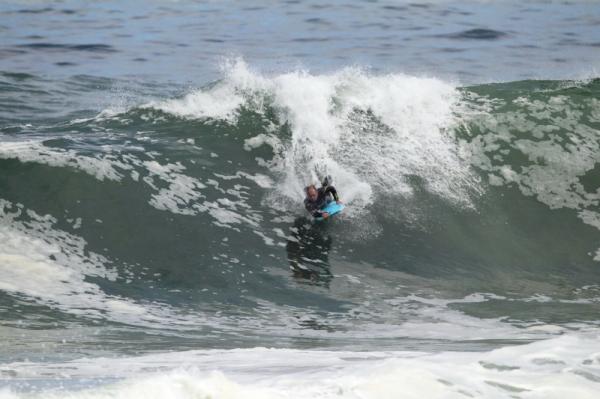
(191, 228)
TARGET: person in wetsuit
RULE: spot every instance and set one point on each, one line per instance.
(318, 198)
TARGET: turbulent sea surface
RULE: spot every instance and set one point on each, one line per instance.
(153, 241)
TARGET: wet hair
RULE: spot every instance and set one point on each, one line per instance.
(309, 187)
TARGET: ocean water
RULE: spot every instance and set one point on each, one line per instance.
(153, 241)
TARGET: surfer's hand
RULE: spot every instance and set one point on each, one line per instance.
(325, 215)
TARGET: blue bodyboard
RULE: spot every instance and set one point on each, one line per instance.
(332, 208)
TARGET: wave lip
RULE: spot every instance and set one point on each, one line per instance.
(92, 47)
(477, 34)
(373, 133)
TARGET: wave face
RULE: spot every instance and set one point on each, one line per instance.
(173, 220)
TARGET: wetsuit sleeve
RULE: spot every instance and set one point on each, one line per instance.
(333, 191)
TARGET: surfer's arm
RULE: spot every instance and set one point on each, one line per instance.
(319, 214)
(333, 191)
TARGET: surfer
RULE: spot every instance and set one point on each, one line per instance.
(318, 198)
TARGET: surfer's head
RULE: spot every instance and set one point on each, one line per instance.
(311, 192)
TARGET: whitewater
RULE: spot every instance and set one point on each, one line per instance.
(153, 241)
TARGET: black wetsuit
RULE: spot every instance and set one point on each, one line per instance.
(323, 198)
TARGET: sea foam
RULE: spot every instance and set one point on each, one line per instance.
(558, 368)
(373, 133)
